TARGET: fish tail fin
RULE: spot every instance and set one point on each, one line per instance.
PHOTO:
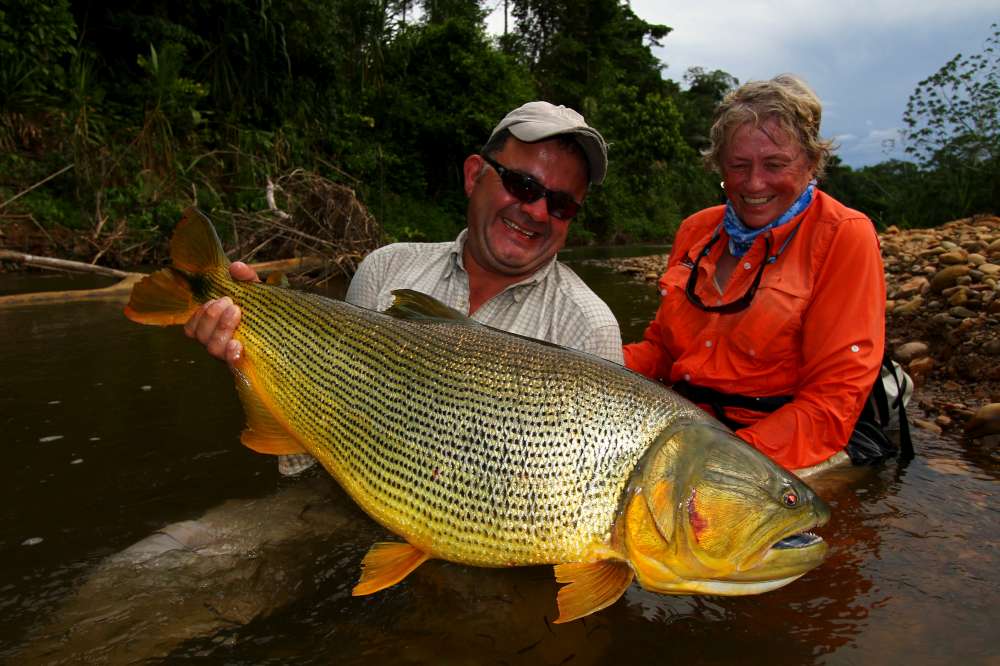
(161, 299)
(166, 297)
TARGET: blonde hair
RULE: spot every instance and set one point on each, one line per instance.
(788, 100)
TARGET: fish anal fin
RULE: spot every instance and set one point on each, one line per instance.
(417, 306)
(591, 587)
(386, 564)
(161, 299)
(264, 433)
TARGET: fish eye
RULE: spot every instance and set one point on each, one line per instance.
(790, 499)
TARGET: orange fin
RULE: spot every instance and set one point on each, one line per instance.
(592, 586)
(162, 298)
(264, 433)
(195, 247)
(386, 564)
(277, 279)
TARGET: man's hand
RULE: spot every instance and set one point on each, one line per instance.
(214, 322)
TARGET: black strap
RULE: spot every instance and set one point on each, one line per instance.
(878, 391)
(868, 443)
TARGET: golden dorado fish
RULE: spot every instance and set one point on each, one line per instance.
(490, 449)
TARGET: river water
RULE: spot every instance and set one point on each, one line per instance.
(111, 430)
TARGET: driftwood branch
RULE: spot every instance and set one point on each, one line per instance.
(59, 264)
(121, 289)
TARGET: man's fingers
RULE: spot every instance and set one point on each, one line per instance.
(240, 271)
(191, 327)
(234, 350)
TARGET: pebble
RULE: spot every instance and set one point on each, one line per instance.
(907, 352)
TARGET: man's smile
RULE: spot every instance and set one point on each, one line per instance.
(519, 229)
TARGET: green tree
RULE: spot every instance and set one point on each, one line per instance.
(953, 121)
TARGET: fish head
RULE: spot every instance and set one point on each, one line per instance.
(707, 513)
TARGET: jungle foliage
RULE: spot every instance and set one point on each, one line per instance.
(133, 111)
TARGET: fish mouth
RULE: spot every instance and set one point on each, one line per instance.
(784, 561)
(801, 540)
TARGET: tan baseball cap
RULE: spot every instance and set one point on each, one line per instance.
(536, 121)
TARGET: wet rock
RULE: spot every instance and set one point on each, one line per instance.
(986, 421)
(960, 312)
(915, 285)
(930, 426)
(954, 257)
(989, 270)
(948, 277)
(906, 353)
(910, 307)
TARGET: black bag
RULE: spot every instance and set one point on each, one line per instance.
(870, 442)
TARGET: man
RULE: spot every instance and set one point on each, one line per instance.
(524, 188)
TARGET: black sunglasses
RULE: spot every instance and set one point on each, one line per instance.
(526, 189)
(743, 301)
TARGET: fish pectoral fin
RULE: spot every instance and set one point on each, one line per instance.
(264, 433)
(417, 306)
(592, 586)
(386, 564)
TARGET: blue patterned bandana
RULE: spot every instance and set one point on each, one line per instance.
(741, 237)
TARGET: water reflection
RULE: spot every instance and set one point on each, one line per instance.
(147, 431)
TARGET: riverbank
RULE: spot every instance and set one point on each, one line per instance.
(942, 314)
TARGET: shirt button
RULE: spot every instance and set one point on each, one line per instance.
(855, 348)
(752, 352)
(663, 292)
(687, 377)
(746, 265)
(708, 343)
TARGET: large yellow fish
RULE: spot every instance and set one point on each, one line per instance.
(490, 449)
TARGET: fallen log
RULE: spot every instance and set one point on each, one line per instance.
(121, 289)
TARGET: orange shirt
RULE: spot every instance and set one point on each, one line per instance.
(815, 329)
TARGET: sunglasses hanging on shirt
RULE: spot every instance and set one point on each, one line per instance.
(743, 302)
(526, 189)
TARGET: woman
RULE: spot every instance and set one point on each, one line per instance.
(773, 305)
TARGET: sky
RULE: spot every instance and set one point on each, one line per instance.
(864, 58)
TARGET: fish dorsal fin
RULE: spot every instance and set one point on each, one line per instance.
(264, 433)
(592, 586)
(195, 247)
(417, 306)
(386, 564)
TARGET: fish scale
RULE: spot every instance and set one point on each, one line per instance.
(479, 446)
